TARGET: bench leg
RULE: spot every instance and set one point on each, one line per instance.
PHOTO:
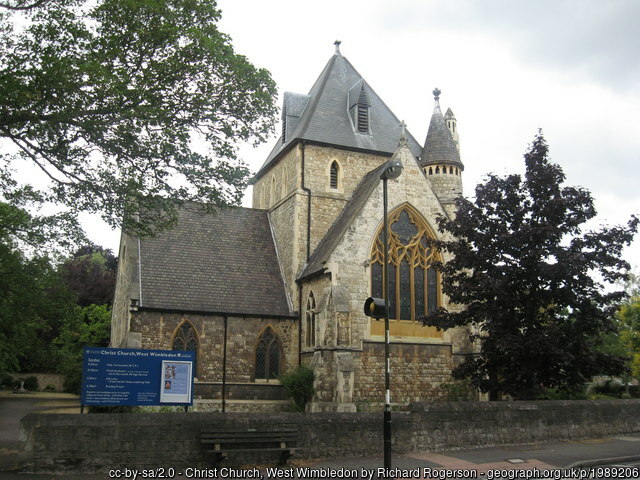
(218, 457)
(284, 456)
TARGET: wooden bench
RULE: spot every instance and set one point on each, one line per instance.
(252, 441)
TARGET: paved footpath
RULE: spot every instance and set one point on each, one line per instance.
(488, 462)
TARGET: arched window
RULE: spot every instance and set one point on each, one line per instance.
(413, 283)
(451, 170)
(268, 355)
(437, 170)
(310, 321)
(186, 338)
(430, 171)
(334, 173)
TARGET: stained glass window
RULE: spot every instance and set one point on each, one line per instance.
(186, 338)
(268, 356)
(413, 285)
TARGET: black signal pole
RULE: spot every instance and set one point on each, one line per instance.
(392, 170)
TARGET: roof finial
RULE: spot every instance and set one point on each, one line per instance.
(403, 134)
(337, 44)
(436, 94)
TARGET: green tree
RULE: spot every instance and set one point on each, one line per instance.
(522, 269)
(33, 304)
(86, 326)
(628, 317)
(108, 99)
(91, 274)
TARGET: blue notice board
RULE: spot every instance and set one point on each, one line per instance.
(127, 376)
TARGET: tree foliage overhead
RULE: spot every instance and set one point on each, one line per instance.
(107, 98)
(91, 274)
(523, 272)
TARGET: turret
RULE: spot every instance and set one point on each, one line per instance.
(440, 158)
(450, 120)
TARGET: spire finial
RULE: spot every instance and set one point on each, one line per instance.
(436, 94)
(337, 44)
(403, 134)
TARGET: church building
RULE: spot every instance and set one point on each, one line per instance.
(257, 291)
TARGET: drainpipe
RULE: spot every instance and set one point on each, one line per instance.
(224, 365)
(308, 192)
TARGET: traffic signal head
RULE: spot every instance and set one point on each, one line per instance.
(374, 307)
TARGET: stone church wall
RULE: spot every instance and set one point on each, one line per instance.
(126, 287)
(328, 203)
(157, 331)
(417, 371)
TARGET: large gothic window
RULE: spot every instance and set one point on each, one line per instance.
(413, 283)
(186, 338)
(268, 355)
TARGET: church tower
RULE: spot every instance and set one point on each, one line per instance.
(440, 157)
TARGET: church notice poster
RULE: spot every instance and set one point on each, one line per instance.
(176, 382)
(127, 376)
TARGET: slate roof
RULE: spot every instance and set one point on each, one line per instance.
(326, 119)
(330, 241)
(439, 146)
(223, 262)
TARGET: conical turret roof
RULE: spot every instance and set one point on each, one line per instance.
(439, 147)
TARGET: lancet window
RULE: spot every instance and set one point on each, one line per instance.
(186, 338)
(310, 321)
(268, 354)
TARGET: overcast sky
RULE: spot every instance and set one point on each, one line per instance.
(505, 67)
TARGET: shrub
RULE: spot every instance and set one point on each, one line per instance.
(49, 388)
(606, 388)
(6, 380)
(113, 409)
(557, 394)
(458, 391)
(31, 384)
(73, 379)
(298, 383)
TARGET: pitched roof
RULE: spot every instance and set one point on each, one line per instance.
(333, 237)
(222, 262)
(439, 146)
(326, 118)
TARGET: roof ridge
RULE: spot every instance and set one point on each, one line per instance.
(313, 104)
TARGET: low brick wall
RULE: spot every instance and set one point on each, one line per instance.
(98, 442)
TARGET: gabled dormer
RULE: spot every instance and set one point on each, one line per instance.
(359, 107)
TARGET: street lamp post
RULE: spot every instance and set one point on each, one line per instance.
(391, 171)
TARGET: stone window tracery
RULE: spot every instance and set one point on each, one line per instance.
(413, 284)
(186, 338)
(268, 355)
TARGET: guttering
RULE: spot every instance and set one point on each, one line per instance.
(216, 314)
